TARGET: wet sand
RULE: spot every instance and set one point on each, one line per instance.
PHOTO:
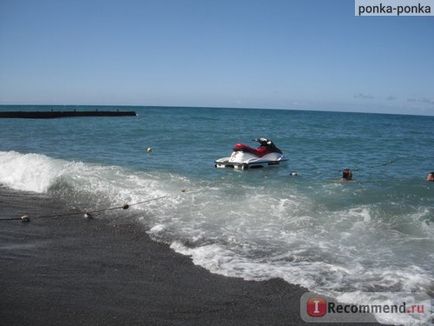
(73, 271)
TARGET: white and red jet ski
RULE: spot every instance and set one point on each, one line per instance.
(245, 157)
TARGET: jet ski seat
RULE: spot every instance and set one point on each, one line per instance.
(260, 151)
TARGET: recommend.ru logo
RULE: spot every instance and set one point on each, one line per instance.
(316, 307)
(394, 307)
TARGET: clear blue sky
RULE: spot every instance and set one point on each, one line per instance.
(273, 54)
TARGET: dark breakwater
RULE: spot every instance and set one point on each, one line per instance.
(63, 114)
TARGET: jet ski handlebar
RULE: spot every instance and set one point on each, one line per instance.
(263, 141)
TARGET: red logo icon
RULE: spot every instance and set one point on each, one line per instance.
(316, 307)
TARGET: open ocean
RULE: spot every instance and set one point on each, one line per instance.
(374, 234)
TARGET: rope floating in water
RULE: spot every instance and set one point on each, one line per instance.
(87, 214)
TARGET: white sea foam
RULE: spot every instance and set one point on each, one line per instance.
(81, 183)
(29, 172)
(252, 232)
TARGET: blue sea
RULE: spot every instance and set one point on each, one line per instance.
(342, 239)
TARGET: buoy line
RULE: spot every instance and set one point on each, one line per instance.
(87, 214)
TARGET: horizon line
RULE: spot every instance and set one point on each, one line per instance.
(218, 107)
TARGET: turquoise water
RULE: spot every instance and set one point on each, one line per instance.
(372, 234)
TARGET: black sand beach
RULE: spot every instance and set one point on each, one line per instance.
(73, 271)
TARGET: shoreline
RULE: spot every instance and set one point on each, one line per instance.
(108, 271)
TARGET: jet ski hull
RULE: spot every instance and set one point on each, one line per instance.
(243, 161)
